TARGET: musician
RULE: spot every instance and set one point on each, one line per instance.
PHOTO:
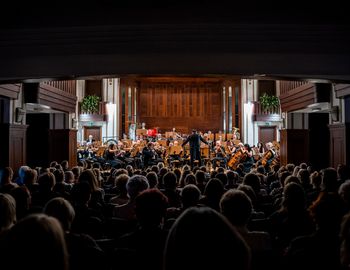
(111, 156)
(231, 144)
(176, 135)
(194, 139)
(160, 150)
(209, 138)
(261, 149)
(90, 140)
(248, 160)
(91, 150)
(149, 155)
(220, 155)
(174, 153)
(133, 156)
(270, 155)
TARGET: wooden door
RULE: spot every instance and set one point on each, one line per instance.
(94, 131)
(267, 134)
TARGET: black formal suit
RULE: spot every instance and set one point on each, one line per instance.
(148, 157)
(195, 143)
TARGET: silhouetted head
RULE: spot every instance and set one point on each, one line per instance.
(41, 240)
(201, 238)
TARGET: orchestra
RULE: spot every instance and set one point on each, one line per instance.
(146, 151)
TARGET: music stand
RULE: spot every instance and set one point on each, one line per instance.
(169, 134)
(141, 131)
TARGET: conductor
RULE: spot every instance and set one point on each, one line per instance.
(194, 140)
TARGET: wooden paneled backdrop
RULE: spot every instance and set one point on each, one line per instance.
(181, 104)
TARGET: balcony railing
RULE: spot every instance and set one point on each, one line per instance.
(259, 114)
(100, 116)
(286, 86)
(66, 86)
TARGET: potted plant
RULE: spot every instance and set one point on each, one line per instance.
(269, 103)
(90, 104)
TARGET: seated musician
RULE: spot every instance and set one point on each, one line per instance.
(90, 140)
(248, 160)
(209, 138)
(124, 155)
(261, 149)
(269, 155)
(175, 152)
(231, 145)
(81, 151)
(160, 150)
(132, 156)
(176, 135)
(220, 155)
(111, 156)
(91, 150)
(149, 155)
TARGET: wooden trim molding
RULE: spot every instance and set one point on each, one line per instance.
(56, 98)
(342, 90)
(10, 90)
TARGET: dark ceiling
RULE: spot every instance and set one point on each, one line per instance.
(74, 39)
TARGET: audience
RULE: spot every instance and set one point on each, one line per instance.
(282, 217)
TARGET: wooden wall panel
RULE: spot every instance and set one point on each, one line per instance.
(294, 146)
(339, 144)
(13, 146)
(10, 90)
(93, 87)
(183, 105)
(342, 90)
(66, 149)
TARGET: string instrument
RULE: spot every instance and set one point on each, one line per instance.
(267, 156)
(134, 150)
(275, 161)
(238, 157)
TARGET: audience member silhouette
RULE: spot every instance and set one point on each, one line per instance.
(345, 242)
(7, 211)
(35, 242)
(135, 185)
(320, 250)
(122, 194)
(212, 194)
(87, 220)
(292, 219)
(237, 207)
(146, 244)
(201, 238)
(6, 184)
(170, 189)
(83, 251)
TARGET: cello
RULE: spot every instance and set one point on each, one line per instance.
(267, 156)
(238, 157)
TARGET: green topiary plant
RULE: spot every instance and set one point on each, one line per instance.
(269, 103)
(90, 104)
